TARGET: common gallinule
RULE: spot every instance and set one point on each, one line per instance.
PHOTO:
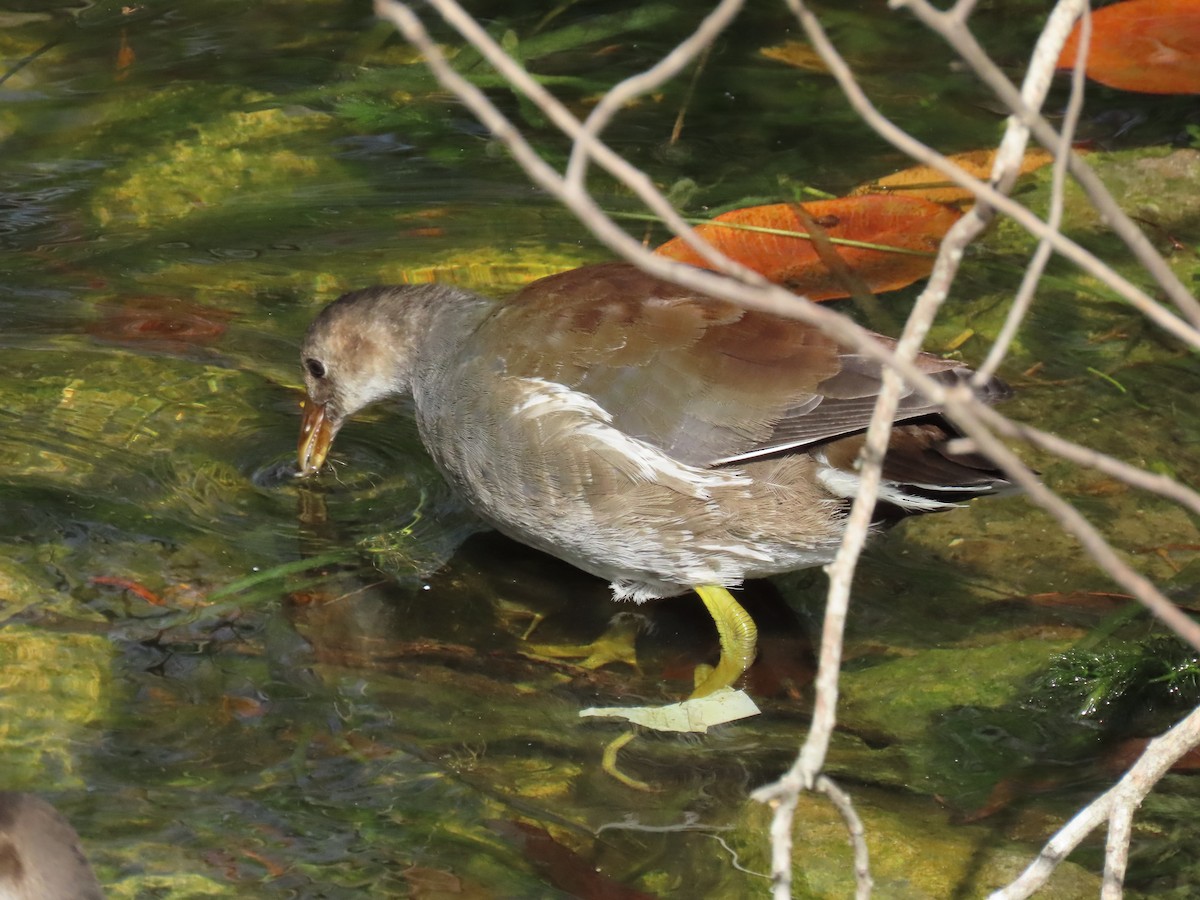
(40, 856)
(661, 439)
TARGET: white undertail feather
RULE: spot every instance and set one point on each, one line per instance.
(846, 484)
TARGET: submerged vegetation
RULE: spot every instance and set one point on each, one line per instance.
(235, 685)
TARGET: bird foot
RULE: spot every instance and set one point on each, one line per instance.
(615, 645)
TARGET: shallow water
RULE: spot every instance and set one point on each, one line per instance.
(240, 685)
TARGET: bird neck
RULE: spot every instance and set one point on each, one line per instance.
(439, 328)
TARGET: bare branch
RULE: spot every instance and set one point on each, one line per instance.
(899, 138)
(953, 28)
(1127, 794)
(574, 196)
(1116, 851)
(665, 69)
(1062, 154)
(1163, 485)
(969, 414)
(980, 423)
(854, 827)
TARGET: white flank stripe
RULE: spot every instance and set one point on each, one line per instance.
(642, 460)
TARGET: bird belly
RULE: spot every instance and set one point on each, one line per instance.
(542, 464)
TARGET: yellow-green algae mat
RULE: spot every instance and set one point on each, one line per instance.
(56, 688)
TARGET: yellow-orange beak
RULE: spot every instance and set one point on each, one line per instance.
(316, 437)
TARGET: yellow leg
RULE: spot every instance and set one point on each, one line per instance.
(609, 763)
(739, 638)
(616, 645)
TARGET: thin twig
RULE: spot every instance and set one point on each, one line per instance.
(1156, 760)
(963, 409)
(1116, 851)
(686, 102)
(645, 82)
(812, 755)
(969, 415)
(925, 155)
(975, 419)
(1163, 485)
(1037, 266)
(630, 175)
(953, 29)
(854, 828)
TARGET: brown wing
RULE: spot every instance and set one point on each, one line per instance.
(701, 378)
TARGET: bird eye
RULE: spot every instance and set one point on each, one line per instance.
(315, 367)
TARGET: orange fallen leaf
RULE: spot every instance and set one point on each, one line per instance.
(798, 54)
(1152, 46)
(427, 883)
(1100, 601)
(930, 184)
(237, 707)
(125, 57)
(563, 867)
(165, 324)
(1008, 790)
(274, 869)
(771, 240)
(1129, 751)
(133, 587)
